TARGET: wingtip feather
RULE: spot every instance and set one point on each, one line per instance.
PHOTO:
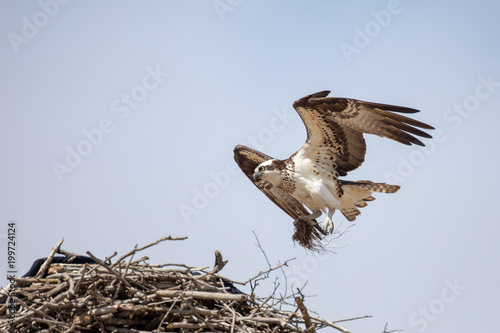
(304, 99)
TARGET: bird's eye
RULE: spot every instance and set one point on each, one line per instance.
(261, 169)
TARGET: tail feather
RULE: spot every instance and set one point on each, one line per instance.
(357, 194)
(373, 187)
(350, 213)
(360, 204)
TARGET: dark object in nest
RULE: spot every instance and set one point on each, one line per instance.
(35, 267)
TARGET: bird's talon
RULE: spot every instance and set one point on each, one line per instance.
(328, 226)
(297, 221)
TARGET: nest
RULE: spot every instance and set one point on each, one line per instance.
(133, 296)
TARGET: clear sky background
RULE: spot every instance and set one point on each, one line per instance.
(119, 119)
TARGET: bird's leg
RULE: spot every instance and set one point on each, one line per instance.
(328, 224)
(307, 218)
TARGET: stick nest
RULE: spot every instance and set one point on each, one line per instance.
(133, 296)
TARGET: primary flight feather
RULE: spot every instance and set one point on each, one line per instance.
(334, 146)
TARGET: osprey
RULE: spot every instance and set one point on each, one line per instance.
(334, 146)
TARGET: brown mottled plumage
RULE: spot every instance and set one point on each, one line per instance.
(334, 146)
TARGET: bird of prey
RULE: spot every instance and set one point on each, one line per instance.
(334, 146)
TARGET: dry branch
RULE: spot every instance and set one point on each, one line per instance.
(48, 261)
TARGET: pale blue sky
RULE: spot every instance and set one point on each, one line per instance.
(173, 86)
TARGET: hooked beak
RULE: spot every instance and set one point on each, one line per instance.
(256, 175)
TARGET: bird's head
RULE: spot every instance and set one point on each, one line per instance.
(269, 170)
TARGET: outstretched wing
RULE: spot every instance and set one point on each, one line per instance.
(306, 234)
(248, 159)
(335, 128)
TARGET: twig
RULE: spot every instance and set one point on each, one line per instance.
(145, 247)
(304, 312)
(386, 331)
(330, 323)
(202, 295)
(43, 314)
(349, 319)
(197, 315)
(102, 264)
(166, 314)
(82, 277)
(67, 253)
(261, 249)
(219, 263)
(48, 261)
(267, 271)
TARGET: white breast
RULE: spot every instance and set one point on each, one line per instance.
(313, 190)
